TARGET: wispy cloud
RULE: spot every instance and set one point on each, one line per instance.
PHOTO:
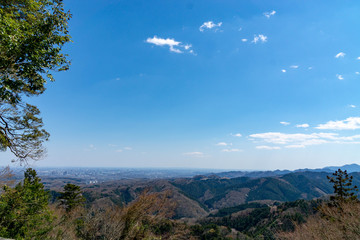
(269, 14)
(352, 106)
(91, 147)
(210, 25)
(128, 148)
(284, 138)
(304, 125)
(232, 150)
(350, 123)
(299, 140)
(340, 55)
(259, 38)
(223, 144)
(339, 76)
(194, 154)
(294, 66)
(236, 134)
(264, 147)
(244, 40)
(295, 146)
(283, 70)
(174, 46)
(285, 123)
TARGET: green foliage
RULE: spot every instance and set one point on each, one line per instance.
(24, 209)
(71, 197)
(32, 34)
(343, 188)
(209, 232)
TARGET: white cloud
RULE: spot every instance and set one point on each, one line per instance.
(91, 147)
(283, 70)
(294, 66)
(267, 147)
(236, 135)
(358, 58)
(285, 123)
(232, 150)
(300, 140)
(340, 77)
(244, 40)
(310, 68)
(352, 106)
(223, 144)
(194, 154)
(357, 73)
(295, 146)
(128, 148)
(119, 150)
(340, 55)
(174, 46)
(269, 14)
(259, 38)
(283, 138)
(350, 123)
(304, 125)
(210, 25)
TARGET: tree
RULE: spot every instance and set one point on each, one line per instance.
(343, 188)
(24, 212)
(71, 197)
(32, 35)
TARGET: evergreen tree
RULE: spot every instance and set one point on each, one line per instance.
(24, 212)
(343, 188)
(71, 197)
(32, 35)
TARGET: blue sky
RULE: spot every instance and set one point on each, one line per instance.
(207, 84)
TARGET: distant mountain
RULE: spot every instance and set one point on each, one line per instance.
(258, 174)
(349, 167)
(198, 196)
(201, 195)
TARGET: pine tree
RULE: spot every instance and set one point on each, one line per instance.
(24, 212)
(343, 188)
(71, 197)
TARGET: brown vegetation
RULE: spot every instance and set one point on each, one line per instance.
(148, 217)
(330, 223)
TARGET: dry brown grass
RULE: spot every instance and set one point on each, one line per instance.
(331, 223)
(145, 218)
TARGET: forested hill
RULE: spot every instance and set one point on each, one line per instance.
(216, 192)
(198, 196)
